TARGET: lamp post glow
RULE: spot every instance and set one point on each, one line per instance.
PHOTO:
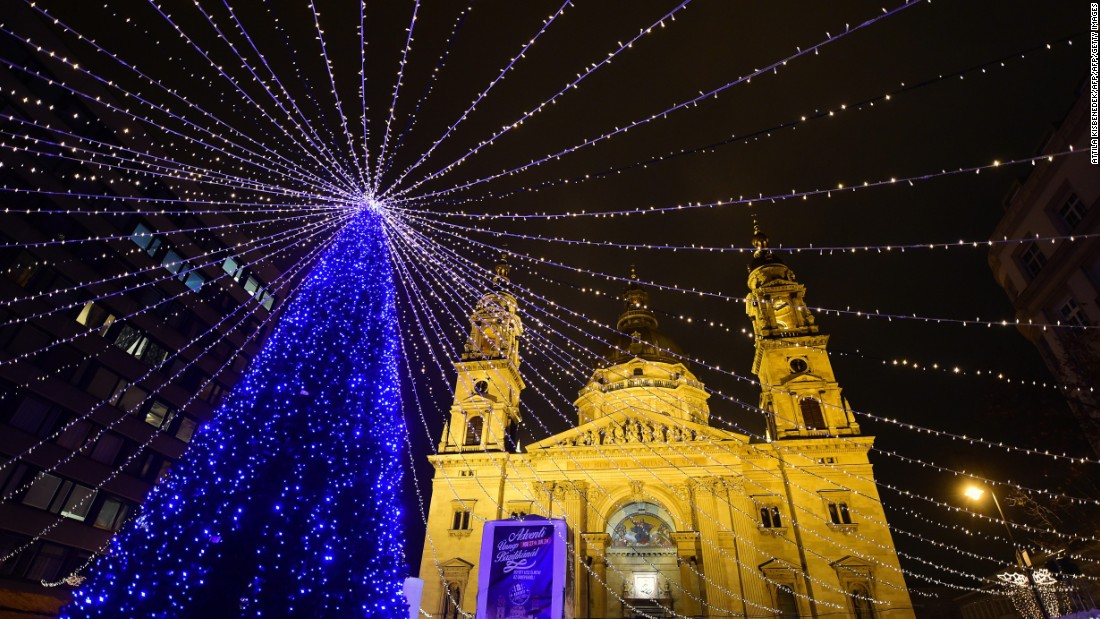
(975, 493)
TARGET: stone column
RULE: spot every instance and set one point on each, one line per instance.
(572, 501)
(718, 554)
(596, 544)
(755, 596)
(687, 557)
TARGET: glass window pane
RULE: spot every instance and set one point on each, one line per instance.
(142, 236)
(74, 435)
(80, 501)
(173, 261)
(106, 517)
(130, 340)
(187, 430)
(133, 398)
(42, 490)
(47, 562)
(158, 413)
(30, 415)
(106, 448)
(103, 384)
(195, 280)
(154, 354)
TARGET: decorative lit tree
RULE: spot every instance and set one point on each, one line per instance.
(286, 505)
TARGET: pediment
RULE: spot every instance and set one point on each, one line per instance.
(456, 562)
(777, 566)
(476, 399)
(780, 282)
(850, 561)
(635, 427)
(805, 377)
(853, 565)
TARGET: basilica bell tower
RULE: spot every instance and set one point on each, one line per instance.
(799, 392)
(485, 407)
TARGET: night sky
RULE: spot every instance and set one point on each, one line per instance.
(929, 124)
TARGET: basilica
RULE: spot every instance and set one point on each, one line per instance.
(667, 514)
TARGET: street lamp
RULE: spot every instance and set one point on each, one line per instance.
(975, 493)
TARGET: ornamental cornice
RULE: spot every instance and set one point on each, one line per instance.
(468, 459)
(820, 340)
(801, 446)
(495, 365)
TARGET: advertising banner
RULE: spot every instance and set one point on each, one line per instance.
(522, 570)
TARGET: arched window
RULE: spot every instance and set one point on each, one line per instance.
(861, 603)
(812, 418)
(641, 525)
(474, 426)
(785, 603)
(452, 600)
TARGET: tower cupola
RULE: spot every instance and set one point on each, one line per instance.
(799, 393)
(485, 409)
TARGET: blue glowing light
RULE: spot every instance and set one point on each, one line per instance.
(303, 450)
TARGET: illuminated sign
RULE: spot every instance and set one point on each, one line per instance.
(522, 570)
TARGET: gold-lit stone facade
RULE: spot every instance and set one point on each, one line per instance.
(666, 513)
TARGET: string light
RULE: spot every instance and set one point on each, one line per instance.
(311, 178)
(757, 134)
(773, 67)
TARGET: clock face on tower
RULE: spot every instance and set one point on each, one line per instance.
(798, 365)
(481, 387)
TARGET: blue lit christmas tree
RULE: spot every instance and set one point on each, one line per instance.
(286, 505)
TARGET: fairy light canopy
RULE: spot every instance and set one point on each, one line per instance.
(138, 192)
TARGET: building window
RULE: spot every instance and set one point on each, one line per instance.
(136, 343)
(1072, 211)
(838, 512)
(186, 429)
(1072, 314)
(105, 384)
(638, 371)
(159, 414)
(106, 448)
(861, 603)
(785, 603)
(518, 510)
(193, 280)
(23, 268)
(769, 517)
(837, 505)
(144, 238)
(231, 265)
(111, 515)
(11, 478)
(812, 418)
(474, 425)
(74, 434)
(461, 520)
(452, 601)
(1032, 259)
(36, 416)
(41, 562)
(95, 315)
(60, 496)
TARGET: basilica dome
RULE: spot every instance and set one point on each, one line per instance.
(639, 336)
